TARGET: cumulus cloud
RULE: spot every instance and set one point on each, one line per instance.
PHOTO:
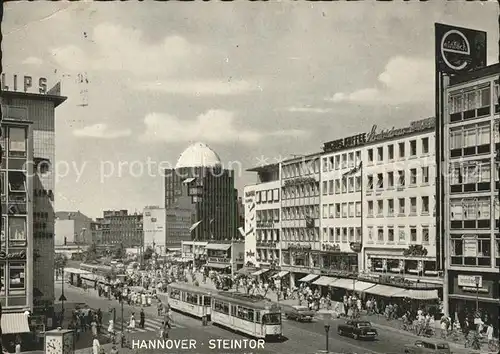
(116, 48)
(215, 125)
(404, 80)
(33, 61)
(101, 131)
(308, 109)
(200, 87)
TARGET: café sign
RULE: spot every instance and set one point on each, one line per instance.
(14, 255)
(218, 260)
(24, 82)
(470, 281)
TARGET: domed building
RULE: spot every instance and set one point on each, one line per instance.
(200, 185)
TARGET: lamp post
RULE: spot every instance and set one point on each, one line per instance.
(327, 335)
(477, 280)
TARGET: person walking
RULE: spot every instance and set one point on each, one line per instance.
(160, 308)
(96, 346)
(131, 324)
(143, 319)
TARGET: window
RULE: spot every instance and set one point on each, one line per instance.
(344, 160)
(390, 204)
(413, 234)
(390, 152)
(337, 162)
(390, 180)
(17, 276)
(325, 211)
(276, 195)
(331, 213)
(456, 210)
(369, 187)
(337, 210)
(370, 234)
(380, 154)
(17, 181)
(358, 234)
(325, 164)
(358, 209)
(350, 187)
(425, 205)
(401, 178)
(344, 234)
(425, 175)
(401, 150)
(413, 177)
(17, 230)
(390, 234)
(351, 234)
(370, 208)
(380, 208)
(413, 148)
(380, 234)
(351, 210)
(344, 185)
(413, 206)
(337, 235)
(425, 235)
(325, 187)
(351, 159)
(222, 307)
(370, 155)
(380, 181)
(330, 187)
(2, 183)
(456, 103)
(358, 183)
(425, 145)
(402, 208)
(17, 141)
(402, 235)
(456, 140)
(344, 210)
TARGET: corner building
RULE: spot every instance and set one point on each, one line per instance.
(28, 217)
(471, 187)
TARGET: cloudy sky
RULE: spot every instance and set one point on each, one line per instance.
(251, 80)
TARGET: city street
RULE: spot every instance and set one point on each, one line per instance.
(300, 337)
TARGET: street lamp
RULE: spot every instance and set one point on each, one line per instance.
(477, 280)
(327, 330)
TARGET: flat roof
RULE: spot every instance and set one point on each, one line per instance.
(263, 168)
(490, 70)
(34, 96)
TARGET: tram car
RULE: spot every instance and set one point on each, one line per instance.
(188, 299)
(247, 314)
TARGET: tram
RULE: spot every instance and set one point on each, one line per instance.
(98, 269)
(247, 314)
(188, 299)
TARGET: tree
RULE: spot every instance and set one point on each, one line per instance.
(148, 253)
(60, 262)
(91, 253)
(120, 252)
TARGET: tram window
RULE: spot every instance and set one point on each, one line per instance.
(175, 294)
(192, 298)
(271, 318)
(206, 300)
(257, 316)
(220, 306)
(245, 314)
(233, 310)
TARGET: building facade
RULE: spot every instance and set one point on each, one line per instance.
(471, 204)
(264, 249)
(36, 279)
(300, 216)
(399, 173)
(72, 227)
(120, 227)
(154, 228)
(209, 188)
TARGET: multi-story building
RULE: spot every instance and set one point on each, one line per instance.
(300, 216)
(264, 248)
(120, 227)
(154, 228)
(399, 199)
(471, 186)
(27, 204)
(209, 188)
(341, 209)
(96, 231)
(72, 227)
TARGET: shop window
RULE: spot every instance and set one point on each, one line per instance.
(17, 279)
(17, 231)
(17, 181)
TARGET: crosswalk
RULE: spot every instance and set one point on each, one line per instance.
(150, 325)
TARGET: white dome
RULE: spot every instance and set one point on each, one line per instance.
(198, 155)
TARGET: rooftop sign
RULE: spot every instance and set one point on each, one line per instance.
(24, 83)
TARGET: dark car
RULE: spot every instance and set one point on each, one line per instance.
(357, 329)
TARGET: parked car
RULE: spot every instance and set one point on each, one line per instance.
(299, 313)
(427, 347)
(357, 329)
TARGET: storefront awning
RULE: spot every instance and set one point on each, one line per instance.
(259, 272)
(188, 180)
(217, 265)
(15, 323)
(76, 271)
(418, 294)
(218, 247)
(324, 281)
(351, 284)
(384, 290)
(308, 278)
(281, 274)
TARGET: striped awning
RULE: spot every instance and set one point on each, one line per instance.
(308, 278)
(259, 272)
(384, 290)
(324, 281)
(281, 274)
(418, 294)
(352, 284)
(15, 323)
(217, 265)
